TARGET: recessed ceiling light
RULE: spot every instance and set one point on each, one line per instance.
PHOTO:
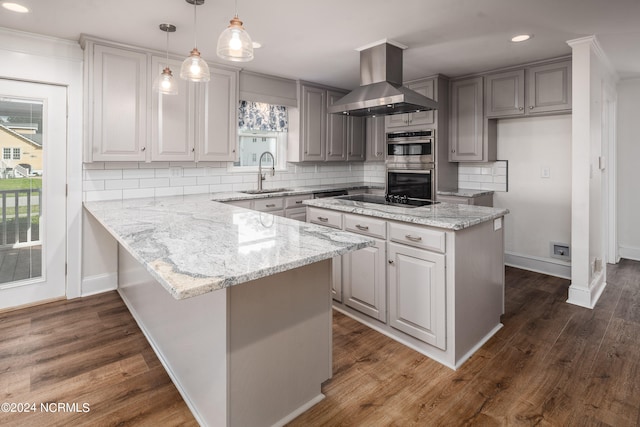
(15, 7)
(520, 38)
(256, 45)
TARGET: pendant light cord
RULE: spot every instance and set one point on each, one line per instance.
(195, 27)
(236, 2)
(167, 49)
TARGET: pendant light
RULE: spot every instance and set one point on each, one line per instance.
(234, 44)
(165, 83)
(195, 68)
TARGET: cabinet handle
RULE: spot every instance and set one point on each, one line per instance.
(323, 219)
(379, 153)
(233, 151)
(413, 238)
(391, 262)
(521, 108)
(193, 150)
(298, 202)
(329, 152)
(362, 227)
(453, 150)
(531, 107)
(143, 148)
(271, 205)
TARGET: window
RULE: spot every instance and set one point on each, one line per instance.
(16, 154)
(6, 153)
(261, 127)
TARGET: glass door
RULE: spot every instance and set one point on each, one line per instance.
(32, 192)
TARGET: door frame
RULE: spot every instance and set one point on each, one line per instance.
(48, 60)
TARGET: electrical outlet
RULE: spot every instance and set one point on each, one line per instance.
(560, 251)
(545, 172)
(175, 171)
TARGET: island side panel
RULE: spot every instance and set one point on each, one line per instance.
(479, 291)
(189, 336)
(280, 345)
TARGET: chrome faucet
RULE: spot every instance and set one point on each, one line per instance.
(261, 177)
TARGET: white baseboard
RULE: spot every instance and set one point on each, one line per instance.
(99, 283)
(550, 266)
(587, 296)
(629, 252)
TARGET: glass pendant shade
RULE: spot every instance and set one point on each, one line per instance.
(234, 44)
(195, 68)
(165, 83)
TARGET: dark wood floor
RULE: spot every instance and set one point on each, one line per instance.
(552, 364)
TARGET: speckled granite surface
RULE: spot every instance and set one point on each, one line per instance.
(193, 245)
(236, 195)
(442, 215)
(464, 192)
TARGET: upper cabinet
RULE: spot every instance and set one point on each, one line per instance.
(421, 119)
(127, 121)
(472, 136)
(117, 88)
(376, 138)
(317, 136)
(547, 88)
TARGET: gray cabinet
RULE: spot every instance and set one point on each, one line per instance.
(336, 131)
(376, 139)
(540, 89)
(364, 280)
(420, 119)
(549, 88)
(472, 136)
(483, 200)
(356, 136)
(313, 127)
(504, 94)
(118, 86)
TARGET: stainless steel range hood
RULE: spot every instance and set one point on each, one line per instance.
(381, 92)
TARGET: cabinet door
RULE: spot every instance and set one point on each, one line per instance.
(375, 136)
(424, 117)
(299, 214)
(397, 121)
(356, 138)
(504, 94)
(364, 280)
(466, 132)
(313, 123)
(336, 131)
(118, 119)
(172, 121)
(549, 88)
(218, 117)
(417, 293)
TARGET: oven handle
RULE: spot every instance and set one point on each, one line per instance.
(424, 171)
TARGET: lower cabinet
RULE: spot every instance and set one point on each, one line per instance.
(484, 200)
(417, 293)
(364, 279)
(289, 206)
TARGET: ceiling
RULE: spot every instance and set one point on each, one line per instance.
(316, 41)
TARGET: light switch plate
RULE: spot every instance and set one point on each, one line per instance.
(545, 172)
(497, 224)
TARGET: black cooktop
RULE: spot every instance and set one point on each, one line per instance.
(406, 202)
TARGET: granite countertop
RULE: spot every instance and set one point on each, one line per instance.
(442, 215)
(193, 245)
(464, 192)
(293, 191)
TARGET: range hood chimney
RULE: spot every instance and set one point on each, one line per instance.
(381, 92)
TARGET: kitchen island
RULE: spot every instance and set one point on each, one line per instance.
(433, 280)
(235, 303)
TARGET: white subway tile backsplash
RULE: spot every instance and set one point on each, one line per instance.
(98, 196)
(154, 182)
(100, 174)
(137, 173)
(121, 165)
(169, 191)
(93, 185)
(121, 184)
(183, 181)
(483, 176)
(196, 189)
(207, 180)
(231, 179)
(138, 193)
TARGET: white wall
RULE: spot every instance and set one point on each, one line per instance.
(540, 208)
(628, 166)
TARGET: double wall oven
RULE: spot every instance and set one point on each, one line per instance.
(411, 165)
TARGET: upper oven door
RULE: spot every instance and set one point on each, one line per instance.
(409, 150)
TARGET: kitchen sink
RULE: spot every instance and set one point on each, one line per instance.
(266, 191)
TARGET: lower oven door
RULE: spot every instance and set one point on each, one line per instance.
(418, 184)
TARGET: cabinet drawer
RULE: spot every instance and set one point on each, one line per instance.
(268, 204)
(241, 203)
(325, 217)
(296, 201)
(365, 225)
(417, 236)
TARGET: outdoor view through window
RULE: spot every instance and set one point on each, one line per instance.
(21, 170)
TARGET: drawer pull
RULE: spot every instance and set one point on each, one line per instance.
(362, 227)
(323, 219)
(391, 262)
(271, 205)
(298, 202)
(413, 238)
